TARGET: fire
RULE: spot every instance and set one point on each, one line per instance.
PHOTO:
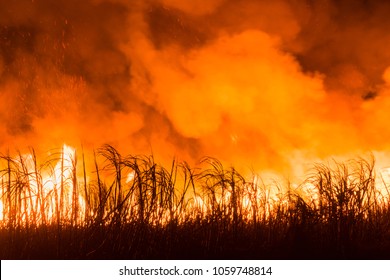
(258, 89)
(1, 211)
(132, 188)
(52, 190)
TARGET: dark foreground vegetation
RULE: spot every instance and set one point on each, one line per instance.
(132, 208)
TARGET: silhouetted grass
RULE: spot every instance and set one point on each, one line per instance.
(130, 207)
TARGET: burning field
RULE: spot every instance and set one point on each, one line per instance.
(194, 129)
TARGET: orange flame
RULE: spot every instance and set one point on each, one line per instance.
(274, 86)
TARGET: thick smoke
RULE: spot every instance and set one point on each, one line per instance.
(263, 84)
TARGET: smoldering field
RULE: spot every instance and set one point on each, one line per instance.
(268, 88)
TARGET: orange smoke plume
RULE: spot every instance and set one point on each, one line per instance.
(254, 83)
